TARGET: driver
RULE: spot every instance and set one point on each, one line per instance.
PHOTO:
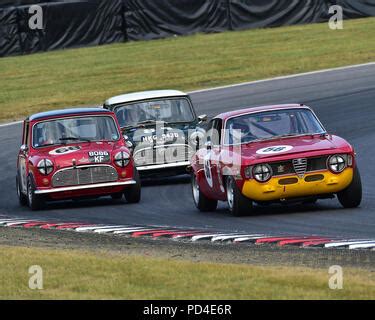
(240, 131)
(46, 137)
(128, 115)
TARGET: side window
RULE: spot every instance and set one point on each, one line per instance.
(215, 131)
(25, 136)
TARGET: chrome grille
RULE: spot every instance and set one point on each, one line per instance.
(84, 175)
(300, 166)
(163, 154)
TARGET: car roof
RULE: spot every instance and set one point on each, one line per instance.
(66, 112)
(144, 95)
(240, 112)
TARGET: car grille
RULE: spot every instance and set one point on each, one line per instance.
(162, 155)
(300, 166)
(84, 175)
(294, 167)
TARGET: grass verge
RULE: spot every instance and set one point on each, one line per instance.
(86, 76)
(77, 274)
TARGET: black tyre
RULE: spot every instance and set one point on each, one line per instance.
(238, 204)
(203, 203)
(22, 198)
(133, 192)
(351, 197)
(35, 202)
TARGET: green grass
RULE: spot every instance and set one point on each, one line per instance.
(85, 275)
(90, 75)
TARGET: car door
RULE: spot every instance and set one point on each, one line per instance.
(212, 158)
(22, 158)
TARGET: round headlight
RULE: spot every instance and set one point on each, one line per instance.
(45, 166)
(122, 159)
(262, 172)
(336, 163)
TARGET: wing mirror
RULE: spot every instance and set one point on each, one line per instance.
(208, 145)
(202, 118)
(24, 148)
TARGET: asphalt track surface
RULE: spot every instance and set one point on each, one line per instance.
(343, 99)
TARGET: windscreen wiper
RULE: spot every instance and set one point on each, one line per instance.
(74, 139)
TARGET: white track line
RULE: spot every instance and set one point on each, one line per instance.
(256, 81)
(284, 77)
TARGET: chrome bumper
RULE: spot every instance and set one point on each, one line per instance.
(83, 187)
(163, 166)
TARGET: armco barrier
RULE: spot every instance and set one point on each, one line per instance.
(79, 23)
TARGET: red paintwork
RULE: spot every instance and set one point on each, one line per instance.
(303, 147)
(34, 155)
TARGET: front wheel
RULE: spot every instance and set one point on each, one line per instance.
(34, 201)
(351, 197)
(203, 203)
(21, 196)
(238, 204)
(133, 192)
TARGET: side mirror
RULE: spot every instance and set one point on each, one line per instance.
(202, 118)
(208, 145)
(24, 148)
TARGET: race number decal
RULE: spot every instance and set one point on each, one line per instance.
(274, 149)
(207, 170)
(64, 150)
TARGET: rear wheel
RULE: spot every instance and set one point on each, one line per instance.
(21, 196)
(203, 203)
(351, 197)
(238, 204)
(34, 201)
(133, 192)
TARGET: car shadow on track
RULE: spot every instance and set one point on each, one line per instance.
(279, 209)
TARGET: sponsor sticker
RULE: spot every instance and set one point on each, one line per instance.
(274, 149)
(99, 156)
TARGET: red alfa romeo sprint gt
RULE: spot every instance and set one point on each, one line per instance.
(273, 154)
(74, 153)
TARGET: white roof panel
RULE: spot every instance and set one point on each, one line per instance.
(144, 95)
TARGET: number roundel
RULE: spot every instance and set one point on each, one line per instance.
(274, 149)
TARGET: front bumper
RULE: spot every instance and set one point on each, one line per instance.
(85, 187)
(274, 189)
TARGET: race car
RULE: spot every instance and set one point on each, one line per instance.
(269, 154)
(160, 127)
(74, 154)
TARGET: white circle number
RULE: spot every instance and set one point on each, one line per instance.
(274, 149)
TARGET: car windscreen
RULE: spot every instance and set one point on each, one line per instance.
(166, 110)
(271, 124)
(75, 129)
